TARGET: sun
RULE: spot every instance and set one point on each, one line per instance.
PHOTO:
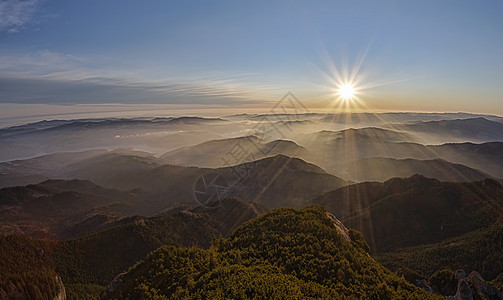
(346, 91)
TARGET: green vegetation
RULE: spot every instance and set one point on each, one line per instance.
(26, 268)
(405, 212)
(285, 253)
(86, 265)
(480, 250)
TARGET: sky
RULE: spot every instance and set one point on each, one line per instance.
(404, 55)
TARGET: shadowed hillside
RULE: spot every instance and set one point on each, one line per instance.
(415, 210)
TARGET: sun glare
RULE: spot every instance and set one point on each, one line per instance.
(346, 91)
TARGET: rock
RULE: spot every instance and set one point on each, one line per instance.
(422, 283)
(62, 291)
(484, 290)
(464, 291)
(340, 227)
(460, 274)
(114, 283)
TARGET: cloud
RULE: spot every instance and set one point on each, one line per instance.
(14, 14)
(49, 77)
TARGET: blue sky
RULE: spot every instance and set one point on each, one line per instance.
(415, 55)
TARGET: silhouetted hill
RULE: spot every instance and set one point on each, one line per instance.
(381, 169)
(282, 254)
(416, 210)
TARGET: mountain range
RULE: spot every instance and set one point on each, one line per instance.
(312, 205)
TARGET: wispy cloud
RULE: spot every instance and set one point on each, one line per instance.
(48, 77)
(14, 14)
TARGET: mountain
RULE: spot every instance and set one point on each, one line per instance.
(333, 153)
(476, 250)
(273, 181)
(48, 209)
(232, 151)
(413, 211)
(355, 135)
(38, 169)
(85, 265)
(487, 156)
(382, 169)
(460, 130)
(283, 254)
(46, 137)
(133, 185)
(281, 181)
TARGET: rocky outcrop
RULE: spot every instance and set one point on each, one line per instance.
(340, 227)
(472, 285)
(484, 290)
(113, 284)
(422, 283)
(62, 291)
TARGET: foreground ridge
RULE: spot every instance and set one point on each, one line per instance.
(284, 253)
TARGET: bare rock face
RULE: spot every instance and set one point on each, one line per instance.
(114, 283)
(340, 227)
(62, 291)
(484, 290)
(422, 283)
(460, 274)
(464, 291)
(474, 283)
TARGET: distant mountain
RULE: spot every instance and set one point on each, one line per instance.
(38, 169)
(487, 156)
(233, 151)
(382, 169)
(272, 182)
(460, 130)
(282, 254)
(281, 181)
(356, 135)
(415, 210)
(46, 137)
(88, 124)
(332, 150)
